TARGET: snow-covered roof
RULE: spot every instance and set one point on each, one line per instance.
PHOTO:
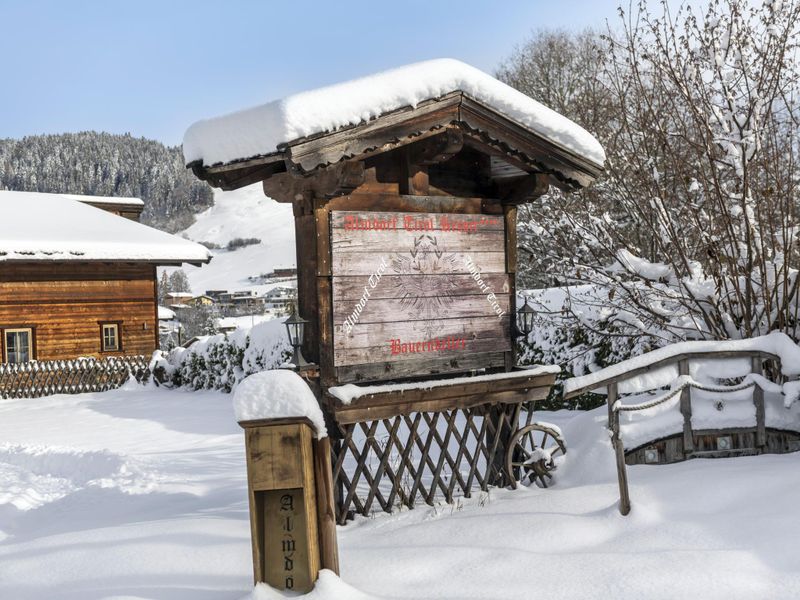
(260, 130)
(103, 199)
(36, 226)
(165, 314)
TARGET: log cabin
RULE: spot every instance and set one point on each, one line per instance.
(78, 276)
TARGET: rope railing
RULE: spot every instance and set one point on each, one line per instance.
(682, 387)
(720, 389)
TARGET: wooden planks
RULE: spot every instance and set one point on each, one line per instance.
(421, 308)
(282, 495)
(411, 286)
(351, 288)
(432, 365)
(441, 398)
(64, 305)
(449, 338)
(424, 261)
(416, 222)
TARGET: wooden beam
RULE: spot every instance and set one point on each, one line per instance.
(619, 450)
(391, 130)
(518, 143)
(437, 149)
(240, 173)
(758, 400)
(413, 176)
(336, 180)
(528, 189)
(511, 268)
(356, 414)
(326, 508)
(686, 410)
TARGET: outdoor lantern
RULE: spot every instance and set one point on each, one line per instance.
(525, 318)
(294, 327)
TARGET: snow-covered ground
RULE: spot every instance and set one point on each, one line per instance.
(242, 213)
(141, 493)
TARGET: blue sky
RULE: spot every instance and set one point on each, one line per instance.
(151, 68)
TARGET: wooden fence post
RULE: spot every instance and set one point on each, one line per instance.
(686, 410)
(619, 450)
(758, 400)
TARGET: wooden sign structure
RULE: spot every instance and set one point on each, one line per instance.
(292, 524)
(392, 219)
(405, 230)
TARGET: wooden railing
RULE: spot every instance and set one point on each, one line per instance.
(43, 378)
(615, 406)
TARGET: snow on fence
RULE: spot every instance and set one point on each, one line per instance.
(655, 369)
(43, 378)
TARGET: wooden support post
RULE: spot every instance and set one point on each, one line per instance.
(619, 450)
(286, 478)
(686, 410)
(326, 508)
(510, 213)
(758, 400)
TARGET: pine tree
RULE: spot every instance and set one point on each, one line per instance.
(107, 165)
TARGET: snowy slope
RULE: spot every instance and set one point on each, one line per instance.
(141, 494)
(243, 213)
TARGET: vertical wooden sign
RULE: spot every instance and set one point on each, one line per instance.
(283, 503)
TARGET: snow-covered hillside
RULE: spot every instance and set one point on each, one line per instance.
(243, 213)
(141, 494)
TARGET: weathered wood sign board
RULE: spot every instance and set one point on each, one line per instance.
(422, 288)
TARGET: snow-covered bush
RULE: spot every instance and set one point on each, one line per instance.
(692, 232)
(574, 330)
(220, 361)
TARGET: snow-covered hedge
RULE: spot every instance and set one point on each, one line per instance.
(223, 360)
(573, 329)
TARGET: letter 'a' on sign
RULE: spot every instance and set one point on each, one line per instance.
(426, 287)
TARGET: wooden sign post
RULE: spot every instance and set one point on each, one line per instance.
(291, 503)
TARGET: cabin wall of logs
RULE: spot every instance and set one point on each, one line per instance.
(65, 304)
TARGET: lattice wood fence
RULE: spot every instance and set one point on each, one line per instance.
(422, 457)
(42, 378)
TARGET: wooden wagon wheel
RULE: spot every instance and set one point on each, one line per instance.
(531, 453)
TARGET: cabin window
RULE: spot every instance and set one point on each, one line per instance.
(110, 335)
(18, 345)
